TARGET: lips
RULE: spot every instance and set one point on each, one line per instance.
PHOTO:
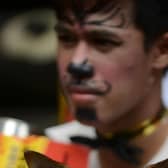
(91, 87)
(81, 89)
(82, 95)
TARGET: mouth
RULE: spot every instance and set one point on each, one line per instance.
(94, 87)
(83, 89)
(86, 91)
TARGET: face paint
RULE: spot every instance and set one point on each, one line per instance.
(80, 71)
(81, 12)
(116, 12)
(86, 114)
(96, 87)
(80, 74)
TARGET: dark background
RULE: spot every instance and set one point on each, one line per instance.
(28, 90)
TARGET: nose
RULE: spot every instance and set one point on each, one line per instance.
(79, 66)
(80, 71)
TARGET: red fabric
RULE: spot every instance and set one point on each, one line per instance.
(74, 156)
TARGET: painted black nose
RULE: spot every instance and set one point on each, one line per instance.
(80, 71)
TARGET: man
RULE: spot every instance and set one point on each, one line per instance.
(112, 56)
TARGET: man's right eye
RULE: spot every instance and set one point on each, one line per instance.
(67, 39)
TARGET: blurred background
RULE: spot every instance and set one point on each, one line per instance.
(28, 73)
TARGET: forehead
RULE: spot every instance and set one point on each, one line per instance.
(96, 11)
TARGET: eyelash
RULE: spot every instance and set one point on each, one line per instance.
(105, 45)
(106, 42)
(67, 39)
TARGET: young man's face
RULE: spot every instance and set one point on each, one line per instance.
(121, 69)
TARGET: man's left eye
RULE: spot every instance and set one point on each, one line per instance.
(106, 43)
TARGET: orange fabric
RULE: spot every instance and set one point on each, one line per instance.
(12, 148)
(74, 156)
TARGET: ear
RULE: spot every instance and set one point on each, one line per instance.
(161, 58)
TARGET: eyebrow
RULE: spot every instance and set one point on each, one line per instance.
(103, 34)
(97, 33)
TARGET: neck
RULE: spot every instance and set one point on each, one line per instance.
(107, 159)
(150, 146)
(148, 109)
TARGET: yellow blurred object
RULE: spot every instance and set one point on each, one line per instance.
(63, 113)
(12, 150)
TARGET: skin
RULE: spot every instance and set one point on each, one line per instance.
(115, 49)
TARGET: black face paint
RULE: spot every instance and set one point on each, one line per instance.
(86, 114)
(80, 71)
(117, 11)
(81, 10)
(113, 9)
(80, 77)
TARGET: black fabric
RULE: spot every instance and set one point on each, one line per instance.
(119, 146)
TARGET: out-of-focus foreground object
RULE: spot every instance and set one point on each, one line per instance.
(37, 160)
(14, 127)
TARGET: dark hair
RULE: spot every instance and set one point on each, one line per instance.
(150, 16)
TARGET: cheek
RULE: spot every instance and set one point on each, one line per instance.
(112, 72)
(123, 72)
(61, 69)
(62, 62)
(130, 62)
